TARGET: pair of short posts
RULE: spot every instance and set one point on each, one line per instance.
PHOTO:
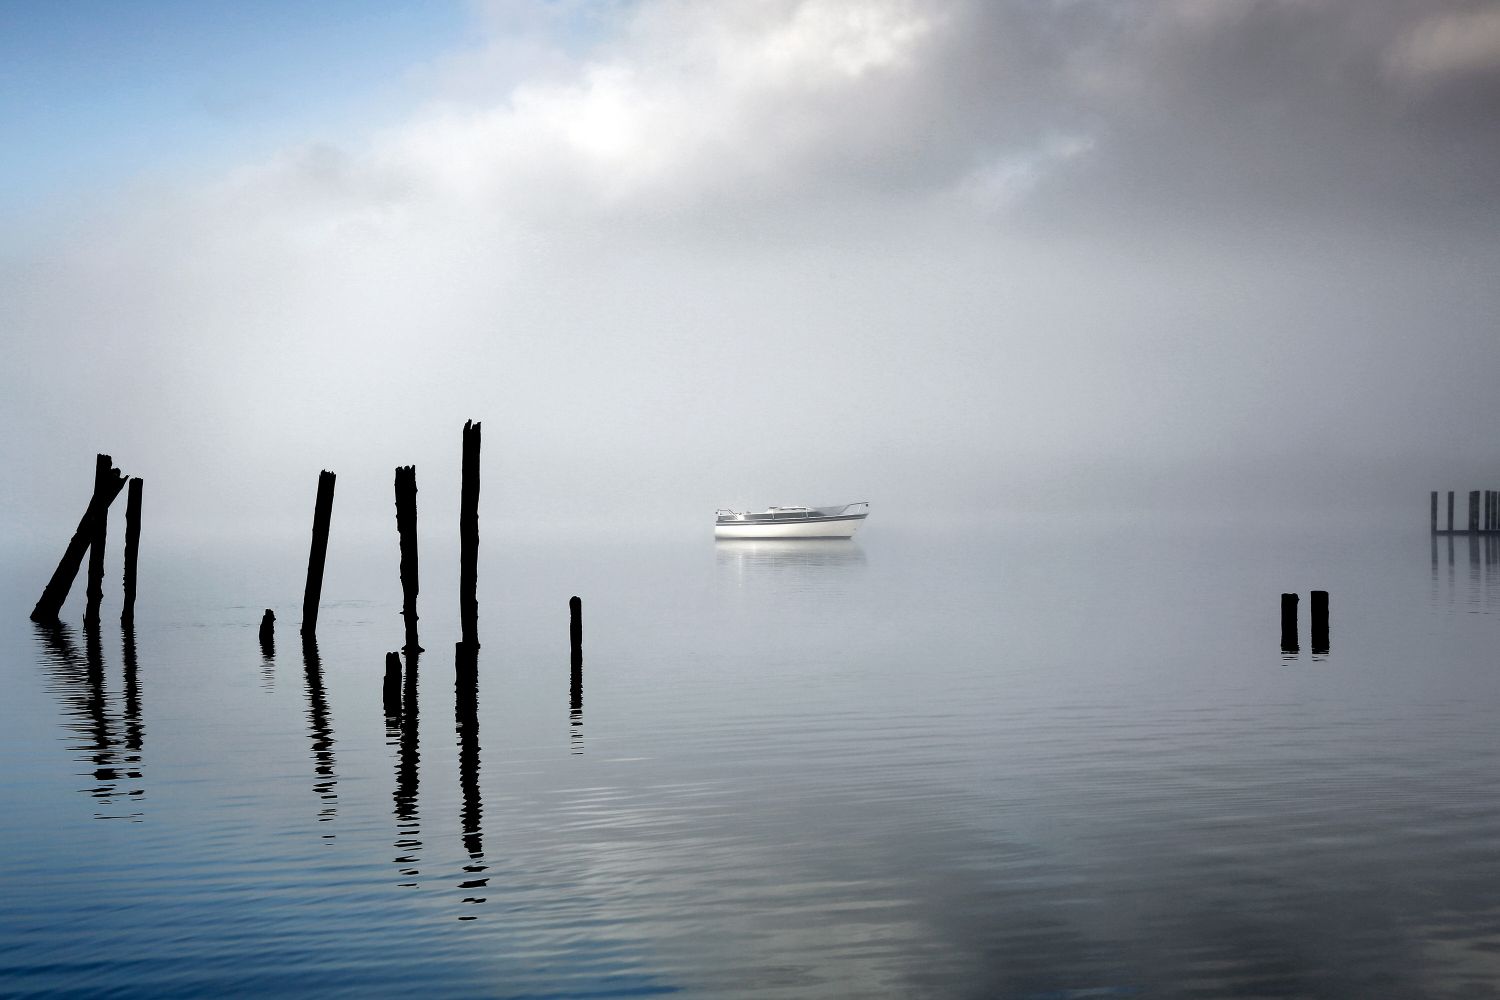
(1319, 602)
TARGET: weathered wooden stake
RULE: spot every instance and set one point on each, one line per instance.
(103, 466)
(1320, 621)
(49, 605)
(132, 548)
(575, 628)
(391, 691)
(468, 534)
(1450, 510)
(322, 515)
(268, 634)
(1289, 623)
(1434, 512)
(406, 529)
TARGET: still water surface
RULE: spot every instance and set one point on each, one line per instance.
(1031, 763)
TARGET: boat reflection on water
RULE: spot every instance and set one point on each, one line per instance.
(750, 556)
(785, 573)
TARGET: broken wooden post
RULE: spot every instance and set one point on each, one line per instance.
(1450, 510)
(1320, 621)
(1434, 512)
(1473, 511)
(406, 529)
(322, 514)
(468, 534)
(132, 548)
(95, 588)
(49, 605)
(1289, 623)
(391, 691)
(575, 628)
(268, 634)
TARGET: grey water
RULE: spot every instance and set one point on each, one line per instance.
(1038, 760)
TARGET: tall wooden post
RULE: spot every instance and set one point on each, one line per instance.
(468, 535)
(391, 690)
(406, 529)
(132, 548)
(103, 466)
(322, 515)
(1434, 512)
(1450, 510)
(1319, 621)
(49, 605)
(1289, 623)
(1473, 510)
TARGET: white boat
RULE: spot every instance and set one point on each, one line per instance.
(792, 522)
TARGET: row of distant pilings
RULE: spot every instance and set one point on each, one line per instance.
(1319, 603)
(110, 481)
(1484, 514)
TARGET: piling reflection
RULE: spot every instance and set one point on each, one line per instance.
(575, 703)
(408, 776)
(267, 656)
(110, 748)
(1479, 589)
(746, 556)
(326, 785)
(471, 814)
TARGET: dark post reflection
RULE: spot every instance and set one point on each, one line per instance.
(466, 723)
(268, 651)
(319, 728)
(575, 700)
(78, 680)
(408, 757)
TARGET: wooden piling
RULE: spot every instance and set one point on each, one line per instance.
(1289, 623)
(391, 690)
(132, 548)
(268, 634)
(322, 515)
(468, 534)
(1473, 510)
(575, 628)
(94, 591)
(406, 529)
(1319, 626)
(1450, 510)
(1434, 512)
(49, 605)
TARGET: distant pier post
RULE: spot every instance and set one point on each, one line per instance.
(49, 605)
(103, 466)
(1289, 623)
(132, 548)
(1450, 510)
(322, 515)
(1319, 621)
(406, 528)
(1473, 510)
(468, 535)
(1434, 512)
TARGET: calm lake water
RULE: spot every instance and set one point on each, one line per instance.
(1037, 762)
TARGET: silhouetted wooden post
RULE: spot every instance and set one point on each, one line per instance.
(1320, 621)
(132, 548)
(1450, 510)
(575, 628)
(103, 465)
(268, 634)
(406, 529)
(1434, 512)
(49, 605)
(468, 535)
(1473, 510)
(1289, 623)
(391, 691)
(322, 515)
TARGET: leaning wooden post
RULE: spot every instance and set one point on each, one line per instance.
(103, 466)
(1434, 512)
(1473, 511)
(49, 605)
(468, 534)
(406, 529)
(322, 515)
(132, 548)
(1450, 510)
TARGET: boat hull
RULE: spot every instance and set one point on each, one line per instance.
(843, 527)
